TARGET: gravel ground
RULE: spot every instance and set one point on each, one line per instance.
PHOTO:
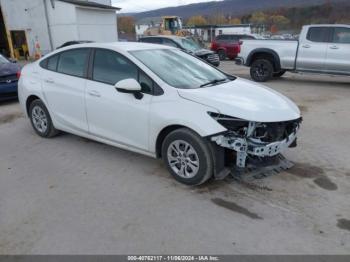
(70, 195)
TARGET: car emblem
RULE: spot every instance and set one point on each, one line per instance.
(8, 81)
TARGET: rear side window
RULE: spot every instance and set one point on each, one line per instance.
(152, 40)
(110, 67)
(318, 34)
(169, 42)
(341, 35)
(52, 63)
(234, 37)
(247, 37)
(222, 37)
(73, 62)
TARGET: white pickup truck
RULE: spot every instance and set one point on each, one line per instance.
(323, 49)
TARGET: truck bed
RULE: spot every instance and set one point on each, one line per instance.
(286, 50)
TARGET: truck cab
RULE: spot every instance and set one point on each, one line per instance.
(324, 48)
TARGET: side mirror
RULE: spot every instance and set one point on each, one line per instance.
(130, 86)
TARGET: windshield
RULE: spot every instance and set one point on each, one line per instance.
(3, 60)
(179, 69)
(191, 45)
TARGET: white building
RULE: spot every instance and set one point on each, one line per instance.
(209, 32)
(54, 22)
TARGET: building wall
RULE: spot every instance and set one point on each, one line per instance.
(140, 29)
(96, 25)
(233, 30)
(206, 34)
(27, 15)
(69, 22)
(66, 21)
(62, 22)
(104, 2)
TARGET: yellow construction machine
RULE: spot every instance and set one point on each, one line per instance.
(171, 25)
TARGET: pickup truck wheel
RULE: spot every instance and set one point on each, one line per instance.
(279, 74)
(222, 55)
(261, 70)
(187, 157)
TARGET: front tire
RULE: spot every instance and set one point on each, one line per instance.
(261, 70)
(41, 120)
(187, 157)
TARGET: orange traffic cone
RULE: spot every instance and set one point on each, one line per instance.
(37, 50)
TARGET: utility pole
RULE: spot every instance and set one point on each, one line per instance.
(48, 24)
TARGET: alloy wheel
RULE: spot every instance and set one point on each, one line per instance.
(39, 119)
(183, 159)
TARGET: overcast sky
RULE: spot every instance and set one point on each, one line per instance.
(145, 5)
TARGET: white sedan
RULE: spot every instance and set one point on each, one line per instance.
(161, 102)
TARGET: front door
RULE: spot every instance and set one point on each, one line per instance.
(338, 54)
(115, 116)
(313, 50)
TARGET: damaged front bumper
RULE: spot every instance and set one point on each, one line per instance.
(249, 146)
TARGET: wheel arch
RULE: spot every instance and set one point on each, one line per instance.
(217, 152)
(162, 135)
(265, 53)
(29, 100)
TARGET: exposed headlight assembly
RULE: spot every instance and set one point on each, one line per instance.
(236, 125)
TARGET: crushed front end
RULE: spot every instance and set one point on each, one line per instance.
(255, 144)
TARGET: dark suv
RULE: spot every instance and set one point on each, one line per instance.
(228, 46)
(187, 44)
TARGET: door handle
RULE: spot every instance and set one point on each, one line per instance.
(306, 46)
(94, 93)
(49, 81)
(334, 47)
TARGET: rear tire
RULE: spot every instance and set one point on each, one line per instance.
(261, 70)
(187, 157)
(279, 74)
(222, 55)
(41, 120)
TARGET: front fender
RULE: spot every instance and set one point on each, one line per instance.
(182, 113)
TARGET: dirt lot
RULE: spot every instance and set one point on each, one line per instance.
(69, 195)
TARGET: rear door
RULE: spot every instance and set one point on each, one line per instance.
(338, 53)
(64, 84)
(313, 50)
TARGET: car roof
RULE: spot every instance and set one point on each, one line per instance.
(116, 46)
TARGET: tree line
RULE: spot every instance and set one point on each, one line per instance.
(273, 20)
(283, 18)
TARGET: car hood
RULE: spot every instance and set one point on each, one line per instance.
(245, 100)
(8, 69)
(203, 52)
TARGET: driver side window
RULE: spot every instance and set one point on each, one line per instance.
(110, 67)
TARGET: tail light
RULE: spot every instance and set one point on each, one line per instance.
(18, 74)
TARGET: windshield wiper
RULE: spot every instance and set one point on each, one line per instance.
(213, 82)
